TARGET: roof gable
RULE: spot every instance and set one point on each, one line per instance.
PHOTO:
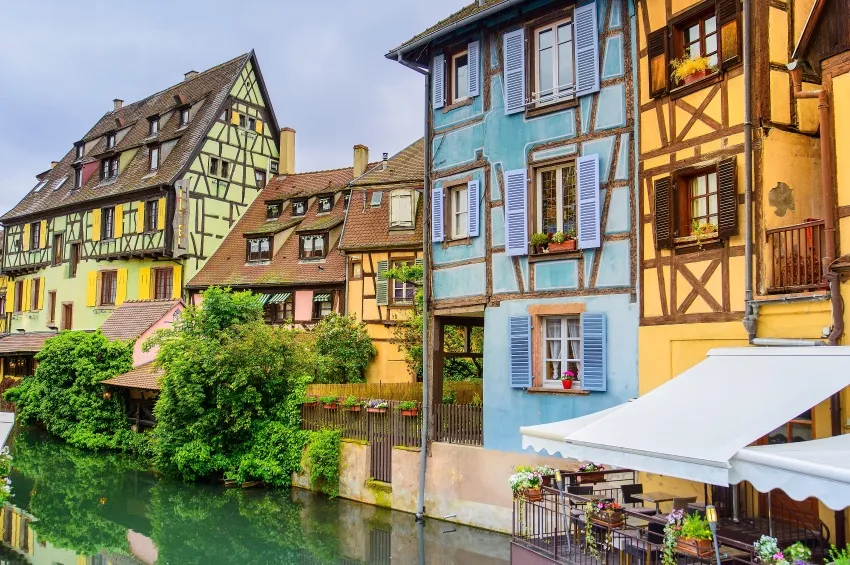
(134, 317)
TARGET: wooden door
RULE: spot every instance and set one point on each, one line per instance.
(67, 316)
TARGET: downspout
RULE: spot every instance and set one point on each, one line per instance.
(828, 196)
(426, 242)
(750, 313)
(636, 114)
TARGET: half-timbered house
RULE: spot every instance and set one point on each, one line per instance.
(141, 201)
(383, 230)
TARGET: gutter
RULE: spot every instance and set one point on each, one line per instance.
(750, 314)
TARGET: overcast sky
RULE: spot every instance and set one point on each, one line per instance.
(62, 63)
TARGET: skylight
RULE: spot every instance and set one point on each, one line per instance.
(377, 196)
(60, 182)
(40, 185)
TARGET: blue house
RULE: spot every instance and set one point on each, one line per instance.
(530, 131)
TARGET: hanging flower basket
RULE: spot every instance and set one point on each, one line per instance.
(608, 519)
(696, 547)
(410, 413)
(531, 494)
(591, 477)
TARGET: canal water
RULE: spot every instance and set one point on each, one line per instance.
(71, 507)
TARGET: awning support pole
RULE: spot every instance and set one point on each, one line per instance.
(769, 515)
(735, 503)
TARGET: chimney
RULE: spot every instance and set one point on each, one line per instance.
(384, 162)
(53, 164)
(287, 151)
(117, 103)
(361, 159)
(190, 74)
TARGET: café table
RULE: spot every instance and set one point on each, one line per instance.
(655, 498)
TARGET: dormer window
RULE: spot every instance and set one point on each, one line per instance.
(299, 207)
(79, 151)
(273, 210)
(184, 117)
(252, 124)
(273, 165)
(110, 140)
(154, 157)
(78, 177)
(243, 120)
(109, 168)
(401, 209)
(325, 203)
(259, 250)
(153, 126)
(313, 246)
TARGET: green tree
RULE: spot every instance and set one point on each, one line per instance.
(346, 348)
(65, 393)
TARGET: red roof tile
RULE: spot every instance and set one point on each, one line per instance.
(144, 376)
(135, 317)
(26, 342)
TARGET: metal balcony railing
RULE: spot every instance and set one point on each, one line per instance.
(795, 254)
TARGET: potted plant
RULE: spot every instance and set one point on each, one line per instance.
(567, 378)
(408, 408)
(377, 406)
(701, 231)
(526, 484)
(591, 473)
(671, 537)
(310, 401)
(798, 554)
(840, 557)
(695, 536)
(539, 242)
(767, 552)
(351, 404)
(689, 70)
(563, 241)
(547, 475)
(330, 402)
(606, 512)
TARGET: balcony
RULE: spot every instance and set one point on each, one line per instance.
(794, 256)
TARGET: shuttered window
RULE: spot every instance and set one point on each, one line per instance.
(402, 290)
(459, 211)
(474, 51)
(554, 63)
(163, 283)
(382, 284)
(589, 234)
(519, 343)
(438, 82)
(561, 348)
(516, 212)
(401, 209)
(658, 62)
(594, 342)
(587, 50)
(107, 223)
(473, 194)
(437, 227)
(108, 287)
(556, 199)
(514, 71)
(663, 224)
(151, 215)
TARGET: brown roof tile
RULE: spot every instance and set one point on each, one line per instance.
(465, 12)
(408, 165)
(144, 376)
(209, 88)
(135, 317)
(27, 342)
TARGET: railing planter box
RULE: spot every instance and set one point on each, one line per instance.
(530, 494)
(549, 481)
(410, 413)
(332, 406)
(608, 519)
(696, 547)
(310, 404)
(591, 477)
(352, 409)
(377, 410)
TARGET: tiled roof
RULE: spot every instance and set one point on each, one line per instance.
(135, 317)
(26, 342)
(210, 88)
(227, 266)
(367, 226)
(144, 376)
(277, 226)
(461, 14)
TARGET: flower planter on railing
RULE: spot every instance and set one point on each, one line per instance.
(695, 547)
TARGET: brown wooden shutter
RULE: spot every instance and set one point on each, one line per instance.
(727, 198)
(663, 235)
(728, 21)
(658, 62)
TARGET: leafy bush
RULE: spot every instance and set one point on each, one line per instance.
(65, 393)
(346, 348)
(323, 455)
(450, 397)
(840, 557)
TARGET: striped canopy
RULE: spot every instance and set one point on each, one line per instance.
(324, 297)
(275, 298)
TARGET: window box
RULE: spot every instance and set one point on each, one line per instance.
(331, 406)
(591, 477)
(568, 245)
(376, 410)
(410, 413)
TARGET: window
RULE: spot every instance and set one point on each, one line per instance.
(214, 166)
(356, 270)
(163, 281)
(458, 212)
(325, 203)
(225, 169)
(273, 210)
(35, 235)
(35, 293)
(279, 313)
(110, 140)
(312, 246)
(107, 223)
(184, 117)
(108, 284)
(252, 124)
(321, 306)
(153, 126)
(554, 68)
(702, 200)
(561, 348)
(697, 37)
(17, 367)
(75, 260)
(243, 120)
(223, 116)
(259, 250)
(154, 157)
(299, 207)
(798, 429)
(40, 185)
(403, 291)
(556, 199)
(273, 167)
(51, 306)
(460, 77)
(58, 249)
(79, 151)
(151, 215)
(109, 168)
(376, 199)
(19, 296)
(78, 177)
(346, 198)
(260, 178)
(401, 209)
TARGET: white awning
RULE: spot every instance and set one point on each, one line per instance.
(693, 425)
(818, 468)
(7, 422)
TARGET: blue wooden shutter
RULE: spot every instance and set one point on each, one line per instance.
(587, 50)
(594, 375)
(473, 195)
(520, 351)
(438, 83)
(382, 285)
(516, 212)
(514, 71)
(587, 181)
(437, 228)
(473, 51)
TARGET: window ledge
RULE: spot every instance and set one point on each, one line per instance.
(561, 255)
(552, 390)
(550, 108)
(695, 241)
(459, 241)
(686, 89)
(459, 104)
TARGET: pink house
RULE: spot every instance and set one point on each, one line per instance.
(138, 320)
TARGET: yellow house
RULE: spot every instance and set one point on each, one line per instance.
(693, 207)
(383, 229)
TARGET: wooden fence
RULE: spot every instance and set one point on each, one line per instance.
(465, 391)
(459, 423)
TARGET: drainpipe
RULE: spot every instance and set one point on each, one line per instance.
(426, 242)
(828, 196)
(636, 125)
(750, 314)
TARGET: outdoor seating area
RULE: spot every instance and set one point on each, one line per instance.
(609, 518)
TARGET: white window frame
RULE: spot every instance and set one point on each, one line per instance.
(459, 195)
(188, 116)
(154, 160)
(110, 140)
(330, 204)
(454, 82)
(557, 95)
(153, 126)
(564, 358)
(80, 151)
(78, 177)
(403, 285)
(303, 204)
(397, 220)
(559, 180)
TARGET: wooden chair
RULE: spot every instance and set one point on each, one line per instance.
(628, 498)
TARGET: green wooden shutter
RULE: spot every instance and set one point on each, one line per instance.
(382, 285)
